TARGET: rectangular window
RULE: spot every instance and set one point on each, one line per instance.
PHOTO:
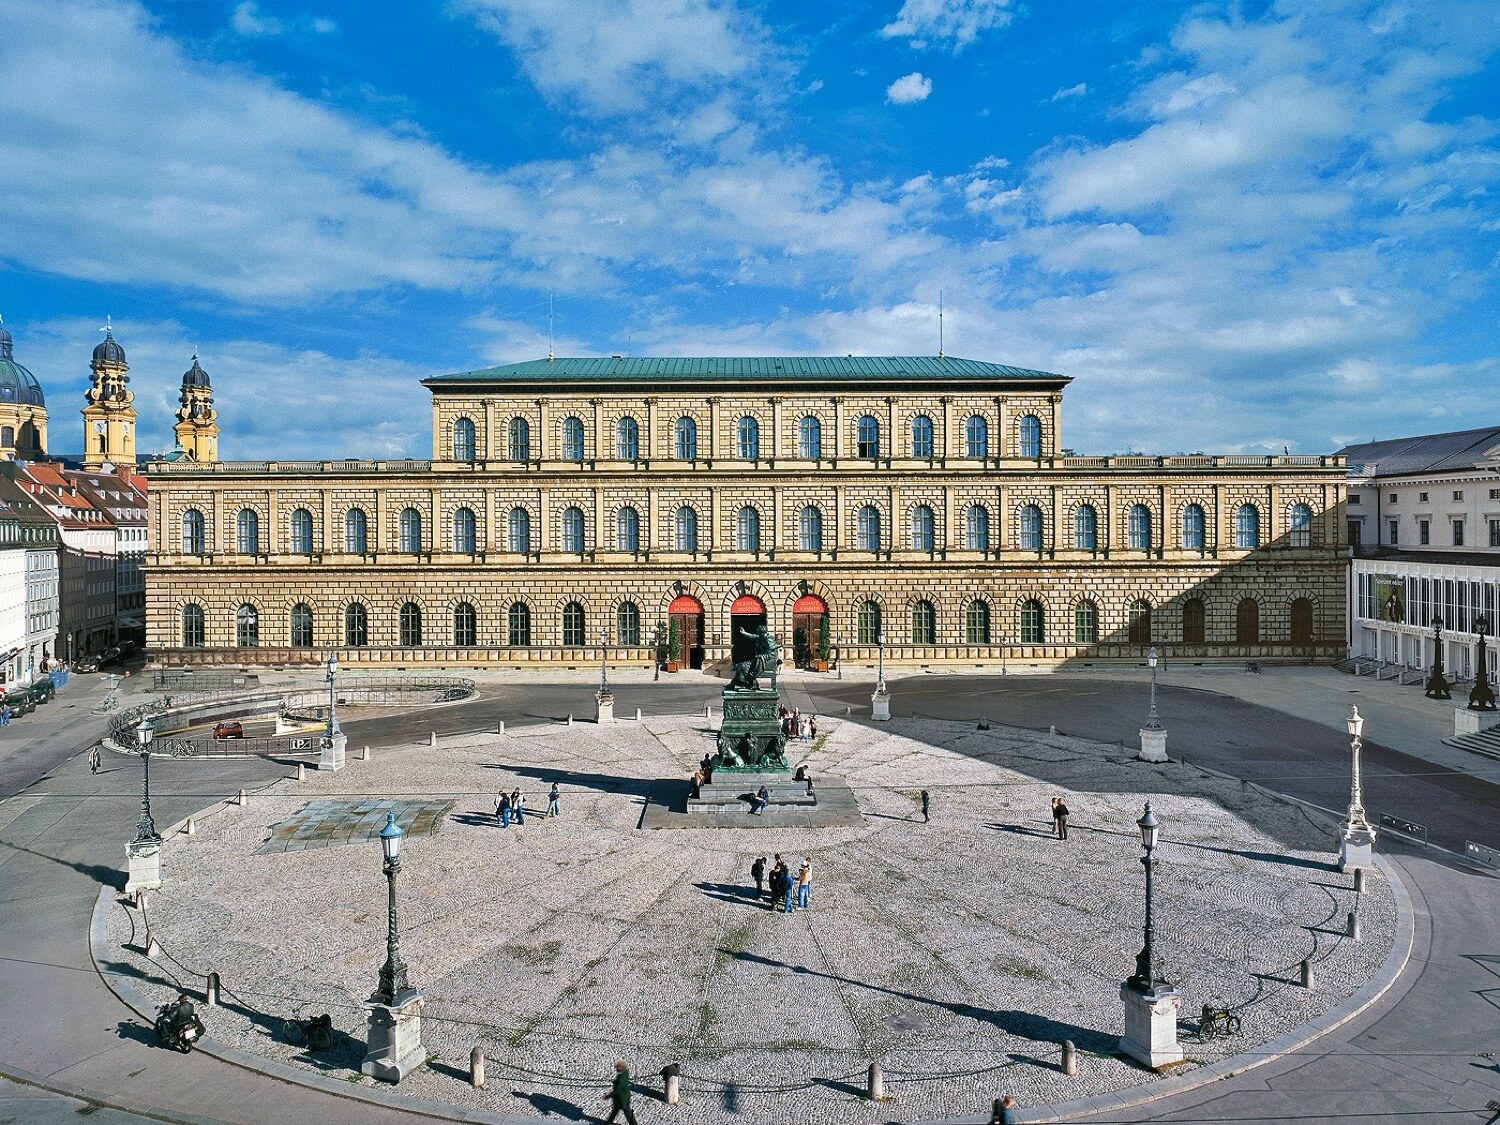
(1393, 497)
(1495, 494)
(1458, 494)
(1354, 498)
(1395, 537)
(1424, 532)
(1422, 496)
(1458, 533)
(1495, 533)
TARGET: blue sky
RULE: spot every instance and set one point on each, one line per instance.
(1240, 227)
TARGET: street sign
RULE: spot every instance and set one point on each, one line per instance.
(1490, 857)
(1404, 827)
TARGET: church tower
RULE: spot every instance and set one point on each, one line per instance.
(197, 426)
(109, 418)
(23, 408)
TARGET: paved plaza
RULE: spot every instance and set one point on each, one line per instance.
(957, 954)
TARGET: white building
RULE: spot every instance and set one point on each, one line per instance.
(1424, 522)
(12, 601)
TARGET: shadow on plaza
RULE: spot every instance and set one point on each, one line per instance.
(98, 872)
(1260, 857)
(578, 779)
(1025, 1025)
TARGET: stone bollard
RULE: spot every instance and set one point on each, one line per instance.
(192, 827)
(875, 1084)
(1306, 976)
(476, 1067)
(984, 724)
(1353, 927)
(671, 1083)
(243, 799)
(500, 727)
(708, 711)
(570, 718)
(365, 756)
(1359, 880)
(301, 772)
(432, 739)
(1069, 1058)
(211, 991)
(637, 714)
(1052, 731)
(152, 948)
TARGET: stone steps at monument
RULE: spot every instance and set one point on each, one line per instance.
(1486, 742)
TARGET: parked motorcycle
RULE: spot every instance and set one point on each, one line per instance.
(178, 1025)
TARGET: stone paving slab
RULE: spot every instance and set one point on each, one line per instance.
(329, 822)
(958, 954)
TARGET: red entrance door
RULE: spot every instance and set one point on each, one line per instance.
(685, 631)
(809, 630)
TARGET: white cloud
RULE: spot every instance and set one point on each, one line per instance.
(947, 23)
(909, 88)
(1077, 91)
(249, 20)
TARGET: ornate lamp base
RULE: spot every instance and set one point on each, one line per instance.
(604, 711)
(1151, 1026)
(1153, 746)
(880, 706)
(395, 1037)
(1356, 846)
(144, 858)
(332, 756)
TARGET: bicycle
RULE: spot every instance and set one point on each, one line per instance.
(1217, 1023)
(316, 1033)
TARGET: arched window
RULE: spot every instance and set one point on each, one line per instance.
(1031, 435)
(572, 530)
(1086, 623)
(573, 625)
(627, 530)
(923, 623)
(867, 526)
(1139, 630)
(1031, 528)
(1247, 527)
(687, 439)
(518, 447)
(1302, 621)
(748, 527)
(356, 527)
(518, 528)
(921, 528)
(628, 623)
(7, 435)
(465, 625)
(627, 439)
(921, 437)
(247, 626)
(192, 532)
(869, 437)
(1194, 621)
(977, 436)
(302, 626)
(302, 532)
(810, 528)
(247, 532)
(1301, 525)
(687, 529)
(463, 531)
(977, 528)
(1085, 528)
(1193, 534)
(409, 625)
(518, 625)
(356, 625)
(1247, 622)
(192, 626)
(572, 443)
(1139, 527)
(869, 623)
(810, 438)
(977, 623)
(411, 531)
(1033, 623)
(748, 435)
(463, 439)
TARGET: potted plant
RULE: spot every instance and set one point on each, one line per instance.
(674, 646)
(825, 647)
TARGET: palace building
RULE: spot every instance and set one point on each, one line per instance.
(661, 506)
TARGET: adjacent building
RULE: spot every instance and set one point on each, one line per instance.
(666, 506)
(38, 535)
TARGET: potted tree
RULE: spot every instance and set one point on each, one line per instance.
(825, 647)
(674, 646)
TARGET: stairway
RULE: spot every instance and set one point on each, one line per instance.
(1486, 742)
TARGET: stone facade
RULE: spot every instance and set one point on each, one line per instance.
(931, 485)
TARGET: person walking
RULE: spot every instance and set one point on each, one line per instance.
(4, 714)
(502, 809)
(554, 798)
(1059, 818)
(812, 727)
(758, 873)
(804, 884)
(94, 760)
(926, 806)
(518, 806)
(619, 1095)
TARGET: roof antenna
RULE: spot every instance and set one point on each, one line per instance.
(940, 325)
(549, 326)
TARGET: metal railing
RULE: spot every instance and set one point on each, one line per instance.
(376, 690)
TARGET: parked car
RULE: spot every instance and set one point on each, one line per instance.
(229, 730)
(86, 664)
(42, 691)
(20, 702)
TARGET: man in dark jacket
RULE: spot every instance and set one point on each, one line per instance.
(619, 1095)
(758, 873)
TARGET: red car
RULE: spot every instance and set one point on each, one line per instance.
(228, 730)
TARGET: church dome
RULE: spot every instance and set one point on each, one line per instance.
(108, 351)
(194, 376)
(16, 383)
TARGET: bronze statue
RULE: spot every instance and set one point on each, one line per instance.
(762, 662)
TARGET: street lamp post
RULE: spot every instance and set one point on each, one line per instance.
(604, 699)
(604, 661)
(333, 671)
(395, 1009)
(143, 853)
(1153, 734)
(334, 739)
(1151, 1003)
(1437, 683)
(1357, 838)
(1481, 696)
(880, 701)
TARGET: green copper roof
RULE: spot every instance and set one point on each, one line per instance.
(689, 369)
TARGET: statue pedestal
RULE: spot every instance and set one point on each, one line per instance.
(750, 730)
(395, 1037)
(1356, 846)
(1153, 746)
(332, 756)
(1472, 722)
(1151, 1026)
(144, 858)
(880, 706)
(604, 709)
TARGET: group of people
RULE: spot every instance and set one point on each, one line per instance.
(512, 806)
(793, 891)
(794, 724)
(1059, 818)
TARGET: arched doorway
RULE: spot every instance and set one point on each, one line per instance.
(685, 631)
(810, 640)
(746, 615)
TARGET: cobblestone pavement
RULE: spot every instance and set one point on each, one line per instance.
(958, 953)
